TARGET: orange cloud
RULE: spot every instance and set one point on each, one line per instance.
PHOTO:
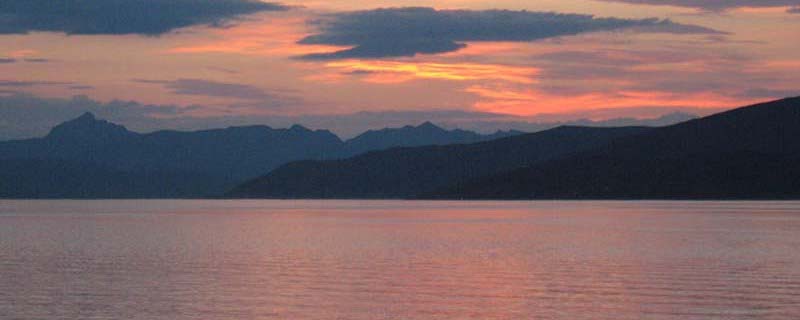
(395, 71)
(783, 64)
(22, 53)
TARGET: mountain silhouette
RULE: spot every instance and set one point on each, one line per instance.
(86, 129)
(97, 158)
(425, 134)
(407, 172)
(751, 152)
(747, 153)
(235, 152)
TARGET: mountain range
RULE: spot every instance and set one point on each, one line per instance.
(91, 158)
(747, 153)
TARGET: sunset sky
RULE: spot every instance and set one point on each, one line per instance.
(351, 65)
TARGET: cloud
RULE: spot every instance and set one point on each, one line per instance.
(716, 5)
(29, 60)
(80, 87)
(795, 10)
(223, 70)
(150, 81)
(15, 87)
(398, 32)
(199, 87)
(27, 84)
(244, 96)
(36, 60)
(624, 57)
(116, 17)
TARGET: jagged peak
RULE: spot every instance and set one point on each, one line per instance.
(87, 126)
(84, 118)
(87, 116)
(428, 125)
(298, 127)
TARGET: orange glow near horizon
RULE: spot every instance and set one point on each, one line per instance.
(762, 10)
(532, 102)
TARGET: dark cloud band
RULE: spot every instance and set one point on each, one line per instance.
(200, 87)
(717, 5)
(243, 95)
(27, 84)
(400, 32)
(146, 17)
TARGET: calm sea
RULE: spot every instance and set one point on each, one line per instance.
(399, 260)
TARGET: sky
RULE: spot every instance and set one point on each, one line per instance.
(353, 65)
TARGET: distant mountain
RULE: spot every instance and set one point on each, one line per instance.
(543, 122)
(409, 136)
(747, 153)
(664, 120)
(235, 153)
(408, 172)
(86, 130)
(96, 155)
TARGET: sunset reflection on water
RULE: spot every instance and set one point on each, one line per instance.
(399, 260)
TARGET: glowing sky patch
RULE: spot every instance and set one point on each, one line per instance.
(531, 102)
(441, 71)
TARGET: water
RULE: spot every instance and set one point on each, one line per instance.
(399, 260)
